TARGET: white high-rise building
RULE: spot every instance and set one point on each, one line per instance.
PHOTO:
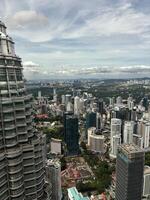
(69, 107)
(77, 106)
(116, 141)
(119, 100)
(115, 135)
(53, 175)
(115, 127)
(56, 146)
(146, 184)
(146, 135)
(54, 95)
(67, 98)
(128, 132)
(138, 140)
(95, 142)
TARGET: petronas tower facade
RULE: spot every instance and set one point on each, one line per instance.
(21, 162)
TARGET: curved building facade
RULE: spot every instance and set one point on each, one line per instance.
(21, 162)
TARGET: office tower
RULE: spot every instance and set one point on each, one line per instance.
(128, 132)
(115, 136)
(73, 194)
(21, 162)
(69, 107)
(129, 172)
(146, 184)
(95, 142)
(138, 140)
(90, 119)
(146, 135)
(63, 99)
(77, 105)
(145, 103)
(56, 146)
(100, 106)
(133, 114)
(53, 175)
(119, 100)
(71, 134)
(98, 121)
(54, 95)
(82, 106)
(115, 127)
(111, 101)
(130, 103)
(67, 98)
(39, 94)
(115, 142)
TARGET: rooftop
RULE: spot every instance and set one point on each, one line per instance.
(131, 150)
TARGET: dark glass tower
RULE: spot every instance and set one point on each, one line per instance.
(90, 120)
(129, 177)
(71, 134)
(21, 162)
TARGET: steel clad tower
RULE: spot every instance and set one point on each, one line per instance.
(21, 162)
(129, 173)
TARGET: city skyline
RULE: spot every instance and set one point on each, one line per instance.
(68, 38)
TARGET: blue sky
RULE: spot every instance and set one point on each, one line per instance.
(80, 38)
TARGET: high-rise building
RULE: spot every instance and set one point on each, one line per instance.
(100, 106)
(115, 142)
(99, 122)
(115, 136)
(53, 175)
(90, 120)
(129, 172)
(146, 135)
(95, 142)
(77, 105)
(146, 184)
(128, 132)
(115, 127)
(21, 162)
(71, 134)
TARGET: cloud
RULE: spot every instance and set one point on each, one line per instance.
(28, 19)
(79, 33)
(34, 71)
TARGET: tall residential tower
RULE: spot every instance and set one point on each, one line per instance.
(21, 161)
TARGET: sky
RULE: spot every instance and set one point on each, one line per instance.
(80, 38)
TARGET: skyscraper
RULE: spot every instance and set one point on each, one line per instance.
(71, 134)
(53, 175)
(129, 175)
(128, 132)
(21, 161)
(115, 136)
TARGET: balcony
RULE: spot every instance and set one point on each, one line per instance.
(15, 169)
(30, 183)
(15, 161)
(9, 127)
(9, 135)
(31, 190)
(29, 169)
(28, 162)
(15, 177)
(17, 192)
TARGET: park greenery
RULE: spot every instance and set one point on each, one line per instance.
(53, 132)
(101, 170)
